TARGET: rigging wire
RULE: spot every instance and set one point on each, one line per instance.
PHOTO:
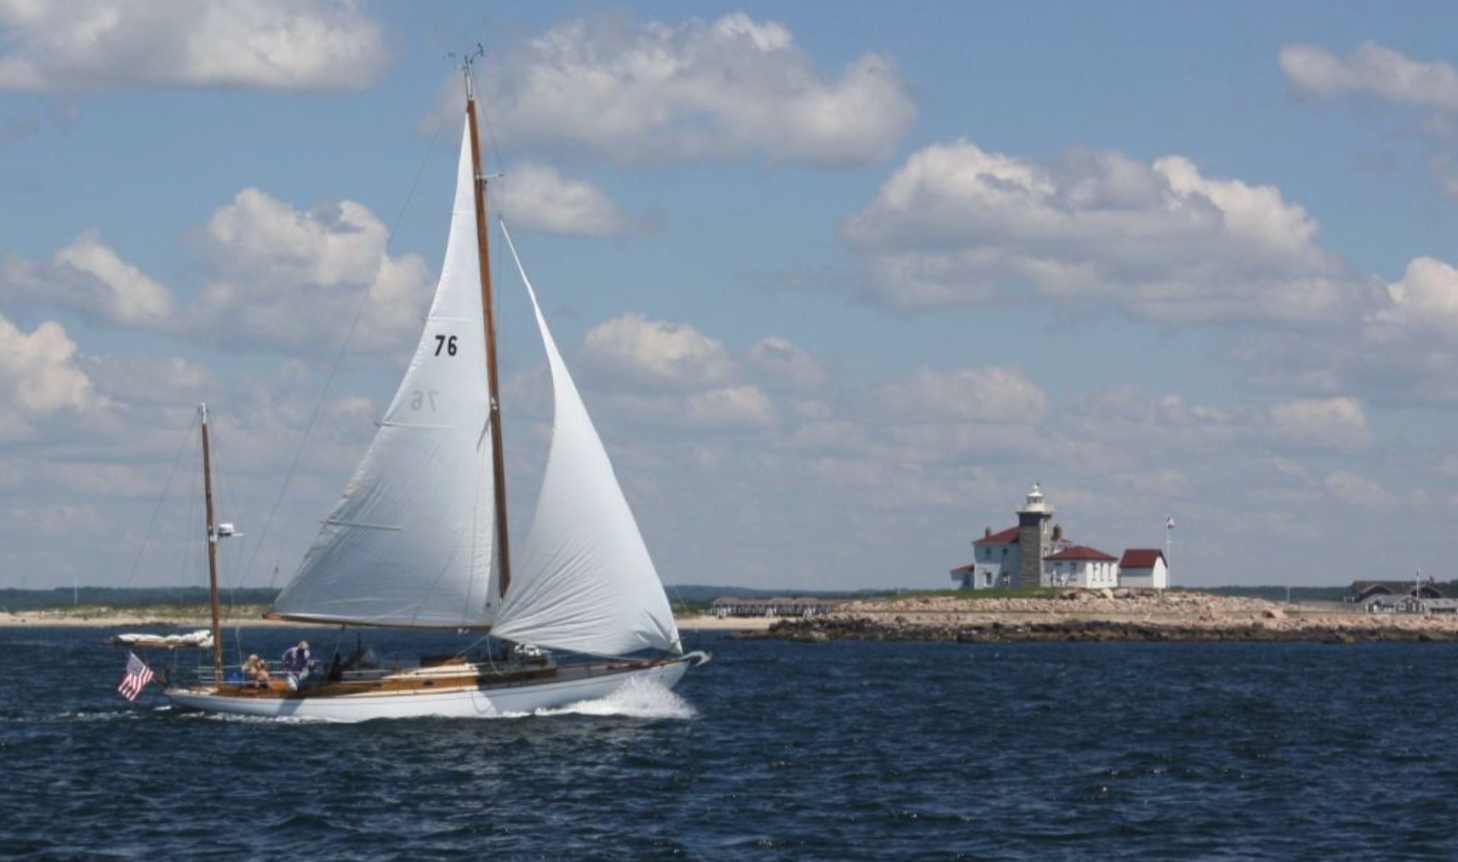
(162, 498)
(334, 369)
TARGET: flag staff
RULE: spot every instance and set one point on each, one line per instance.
(1169, 525)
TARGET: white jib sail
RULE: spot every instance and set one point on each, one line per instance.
(410, 542)
(585, 582)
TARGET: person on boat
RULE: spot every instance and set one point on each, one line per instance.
(297, 662)
(255, 670)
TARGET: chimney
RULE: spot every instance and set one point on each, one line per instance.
(1057, 532)
(986, 532)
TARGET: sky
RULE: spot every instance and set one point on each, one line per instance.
(839, 283)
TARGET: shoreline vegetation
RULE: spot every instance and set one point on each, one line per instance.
(1122, 615)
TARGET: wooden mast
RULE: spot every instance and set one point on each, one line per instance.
(212, 548)
(498, 461)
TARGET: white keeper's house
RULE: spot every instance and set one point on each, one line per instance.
(1081, 566)
(994, 561)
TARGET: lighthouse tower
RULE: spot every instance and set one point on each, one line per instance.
(1034, 540)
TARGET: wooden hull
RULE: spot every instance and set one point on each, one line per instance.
(445, 695)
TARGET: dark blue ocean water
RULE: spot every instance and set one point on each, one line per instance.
(774, 751)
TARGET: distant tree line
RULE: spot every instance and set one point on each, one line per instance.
(691, 598)
(16, 600)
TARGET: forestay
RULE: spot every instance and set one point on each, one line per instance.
(410, 542)
(585, 582)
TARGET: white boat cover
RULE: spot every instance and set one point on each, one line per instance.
(585, 582)
(410, 542)
(202, 639)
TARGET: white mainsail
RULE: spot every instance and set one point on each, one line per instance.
(585, 582)
(410, 542)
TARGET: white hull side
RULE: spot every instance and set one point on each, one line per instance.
(461, 703)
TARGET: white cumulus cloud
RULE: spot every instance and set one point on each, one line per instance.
(1382, 74)
(539, 197)
(783, 361)
(1426, 297)
(263, 44)
(957, 224)
(1326, 423)
(730, 407)
(283, 276)
(1371, 70)
(39, 377)
(89, 278)
(638, 350)
(991, 395)
(695, 90)
(1400, 348)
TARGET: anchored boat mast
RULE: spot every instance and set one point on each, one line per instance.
(498, 462)
(212, 526)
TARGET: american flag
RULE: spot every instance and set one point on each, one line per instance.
(136, 677)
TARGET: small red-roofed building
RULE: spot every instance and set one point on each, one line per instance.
(1144, 568)
(1080, 566)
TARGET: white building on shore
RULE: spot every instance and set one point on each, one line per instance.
(1080, 566)
(1144, 568)
(994, 561)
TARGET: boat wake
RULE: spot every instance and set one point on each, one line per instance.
(89, 716)
(637, 698)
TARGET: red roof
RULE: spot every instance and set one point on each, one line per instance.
(1140, 558)
(1081, 552)
(970, 568)
(1006, 537)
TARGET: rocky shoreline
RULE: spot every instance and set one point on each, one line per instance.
(1107, 616)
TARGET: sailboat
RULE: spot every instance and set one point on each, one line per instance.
(419, 538)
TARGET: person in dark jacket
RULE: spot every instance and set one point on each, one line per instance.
(297, 661)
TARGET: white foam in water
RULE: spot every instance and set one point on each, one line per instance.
(88, 717)
(635, 699)
(270, 719)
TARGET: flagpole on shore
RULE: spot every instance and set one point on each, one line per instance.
(1169, 525)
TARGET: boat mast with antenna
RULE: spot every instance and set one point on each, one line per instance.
(493, 420)
(212, 527)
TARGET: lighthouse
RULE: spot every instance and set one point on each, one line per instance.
(1033, 538)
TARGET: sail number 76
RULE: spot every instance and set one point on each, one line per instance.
(449, 343)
